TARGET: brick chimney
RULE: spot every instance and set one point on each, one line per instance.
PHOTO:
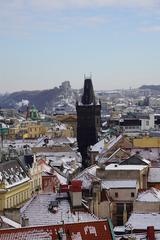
(75, 191)
(150, 233)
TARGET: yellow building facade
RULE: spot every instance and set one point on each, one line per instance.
(146, 142)
(27, 129)
(35, 130)
(14, 196)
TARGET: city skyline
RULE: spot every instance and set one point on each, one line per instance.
(44, 43)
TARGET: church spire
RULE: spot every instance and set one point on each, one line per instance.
(88, 93)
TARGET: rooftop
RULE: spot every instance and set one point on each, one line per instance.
(90, 230)
(37, 211)
(140, 221)
(106, 184)
(9, 222)
(124, 167)
(12, 173)
(154, 175)
(151, 195)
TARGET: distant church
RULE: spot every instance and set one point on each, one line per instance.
(88, 121)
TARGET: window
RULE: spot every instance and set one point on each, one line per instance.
(147, 123)
(132, 194)
(11, 202)
(116, 194)
(8, 202)
(120, 208)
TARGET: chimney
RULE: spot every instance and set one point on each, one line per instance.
(150, 233)
(75, 190)
(24, 222)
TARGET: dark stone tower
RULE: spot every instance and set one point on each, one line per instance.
(88, 121)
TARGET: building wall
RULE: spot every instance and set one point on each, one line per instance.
(101, 209)
(12, 133)
(131, 128)
(104, 209)
(146, 207)
(70, 120)
(57, 132)
(50, 183)
(15, 196)
(147, 124)
(35, 130)
(13, 214)
(27, 129)
(121, 212)
(124, 194)
(146, 142)
(140, 176)
(76, 198)
(36, 176)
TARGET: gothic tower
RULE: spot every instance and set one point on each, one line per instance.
(88, 120)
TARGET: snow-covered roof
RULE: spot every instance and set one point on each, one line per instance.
(47, 169)
(10, 222)
(62, 179)
(114, 141)
(87, 180)
(105, 144)
(58, 155)
(151, 195)
(7, 185)
(99, 146)
(146, 161)
(149, 154)
(124, 167)
(140, 221)
(37, 211)
(117, 151)
(3, 125)
(119, 229)
(91, 170)
(109, 184)
(154, 175)
(55, 141)
(12, 173)
(87, 176)
(70, 160)
(19, 143)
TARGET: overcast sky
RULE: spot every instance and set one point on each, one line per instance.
(46, 42)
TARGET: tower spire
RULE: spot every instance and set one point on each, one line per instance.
(88, 93)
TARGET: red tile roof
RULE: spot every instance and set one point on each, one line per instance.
(99, 230)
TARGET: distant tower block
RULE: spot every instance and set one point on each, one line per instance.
(88, 120)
